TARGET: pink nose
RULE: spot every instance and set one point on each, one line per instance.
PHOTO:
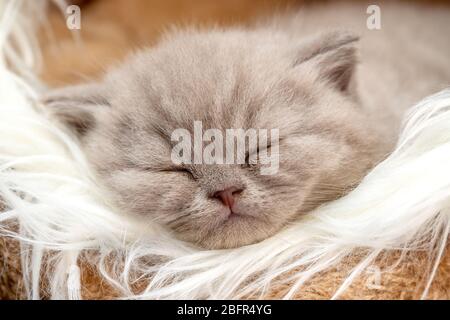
(227, 196)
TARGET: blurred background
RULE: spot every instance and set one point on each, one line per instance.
(112, 28)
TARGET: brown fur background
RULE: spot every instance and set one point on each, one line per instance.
(111, 28)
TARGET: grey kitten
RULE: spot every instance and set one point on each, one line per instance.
(307, 85)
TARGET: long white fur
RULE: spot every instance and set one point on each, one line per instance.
(46, 184)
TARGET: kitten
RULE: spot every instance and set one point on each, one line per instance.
(336, 118)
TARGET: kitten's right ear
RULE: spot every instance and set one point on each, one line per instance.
(77, 106)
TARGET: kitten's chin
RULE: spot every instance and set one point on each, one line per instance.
(236, 230)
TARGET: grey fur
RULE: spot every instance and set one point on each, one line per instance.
(305, 86)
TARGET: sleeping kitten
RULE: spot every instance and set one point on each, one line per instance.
(336, 119)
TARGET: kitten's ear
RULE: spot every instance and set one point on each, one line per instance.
(77, 106)
(333, 55)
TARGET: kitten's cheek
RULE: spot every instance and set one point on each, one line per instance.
(244, 209)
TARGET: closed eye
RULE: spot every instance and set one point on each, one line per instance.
(256, 154)
(177, 169)
(167, 169)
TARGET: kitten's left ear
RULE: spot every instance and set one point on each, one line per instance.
(332, 55)
(77, 106)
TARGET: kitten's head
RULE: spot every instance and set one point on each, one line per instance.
(233, 79)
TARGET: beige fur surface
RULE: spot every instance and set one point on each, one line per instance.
(405, 281)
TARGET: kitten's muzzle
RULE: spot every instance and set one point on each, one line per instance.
(228, 196)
